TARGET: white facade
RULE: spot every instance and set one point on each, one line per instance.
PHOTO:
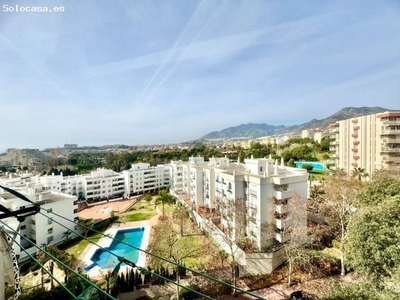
(142, 178)
(368, 142)
(41, 228)
(260, 187)
(176, 175)
(103, 184)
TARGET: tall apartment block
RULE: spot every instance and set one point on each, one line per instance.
(262, 187)
(369, 142)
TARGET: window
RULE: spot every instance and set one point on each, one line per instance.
(50, 239)
(50, 221)
(32, 222)
(261, 169)
(49, 210)
(23, 227)
(75, 211)
(50, 230)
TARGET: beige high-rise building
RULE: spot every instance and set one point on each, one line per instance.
(369, 142)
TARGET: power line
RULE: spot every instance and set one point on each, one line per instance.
(132, 264)
(60, 262)
(47, 271)
(156, 256)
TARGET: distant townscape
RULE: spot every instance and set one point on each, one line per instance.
(265, 196)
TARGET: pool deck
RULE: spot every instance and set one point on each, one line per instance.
(106, 241)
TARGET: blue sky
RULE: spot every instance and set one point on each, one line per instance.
(151, 72)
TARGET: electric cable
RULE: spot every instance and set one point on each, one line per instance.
(131, 263)
(40, 264)
(121, 259)
(157, 256)
(60, 262)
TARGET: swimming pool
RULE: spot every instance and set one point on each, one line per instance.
(316, 165)
(131, 236)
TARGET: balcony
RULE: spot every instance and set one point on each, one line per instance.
(356, 127)
(283, 194)
(396, 122)
(356, 157)
(356, 143)
(355, 165)
(334, 143)
(283, 223)
(354, 135)
(281, 209)
(390, 159)
(390, 131)
(282, 238)
(391, 140)
(335, 129)
(390, 150)
(354, 121)
(354, 150)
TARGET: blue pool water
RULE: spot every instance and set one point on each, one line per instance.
(131, 236)
(316, 165)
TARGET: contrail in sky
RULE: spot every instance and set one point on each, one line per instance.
(26, 59)
(180, 57)
(167, 59)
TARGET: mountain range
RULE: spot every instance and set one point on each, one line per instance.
(259, 130)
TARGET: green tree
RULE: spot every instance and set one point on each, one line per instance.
(180, 213)
(147, 198)
(164, 198)
(359, 173)
(357, 291)
(374, 239)
(382, 186)
(308, 167)
(66, 234)
(339, 208)
(86, 226)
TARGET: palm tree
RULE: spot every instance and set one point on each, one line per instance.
(165, 198)
(66, 234)
(86, 225)
(359, 173)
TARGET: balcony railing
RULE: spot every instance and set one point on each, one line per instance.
(356, 127)
(356, 157)
(354, 121)
(356, 143)
(282, 238)
(390, 131)
(393, 141)
(397, 122)
(390, 159)
(281, 209)
(354, 135)
(391, 150)
(283, 223)
(283, 194)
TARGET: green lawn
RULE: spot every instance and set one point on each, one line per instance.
(79, 247)
(141, 211)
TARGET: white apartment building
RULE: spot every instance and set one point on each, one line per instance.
(262, 187)
(369, 142)
(176, 175)
(40, 228)
(142, 178)
(103, 184)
